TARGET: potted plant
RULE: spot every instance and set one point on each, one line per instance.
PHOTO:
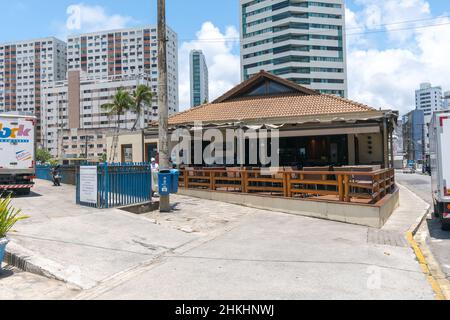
(9, 216)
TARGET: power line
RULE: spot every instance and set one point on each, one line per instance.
(348, 34)
(401, 22)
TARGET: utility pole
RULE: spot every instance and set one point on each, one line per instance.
(163, 108)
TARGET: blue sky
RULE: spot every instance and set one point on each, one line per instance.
(30, 18)
(384, 68)
(25, 19)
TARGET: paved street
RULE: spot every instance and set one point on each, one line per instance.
(438, 239)
(418, 183)
(212, 250)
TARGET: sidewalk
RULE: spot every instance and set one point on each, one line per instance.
(213, 250)
(84, 246)
(409, 214)
(19, 285)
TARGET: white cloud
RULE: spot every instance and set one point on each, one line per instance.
(82, 18)
(388, 77)
(223, 64)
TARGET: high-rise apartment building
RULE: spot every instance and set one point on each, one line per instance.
(414, 135)
(125, 52)
(26, 66)
(446, 100)
(74, 120)
(199, 78)
(428, 100)
(303, 41)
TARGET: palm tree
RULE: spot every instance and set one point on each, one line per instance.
(142, 96)
(122, 102)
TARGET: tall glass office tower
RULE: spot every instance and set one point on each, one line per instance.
(199, 78)
(303, 41)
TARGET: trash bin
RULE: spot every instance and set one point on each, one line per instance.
(164, 182)
(175, 180)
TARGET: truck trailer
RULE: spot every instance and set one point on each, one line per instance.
(17, 153)
(440, 166)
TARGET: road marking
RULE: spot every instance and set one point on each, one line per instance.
(424, 265)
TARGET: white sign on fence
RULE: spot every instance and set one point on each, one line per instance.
(88, 184)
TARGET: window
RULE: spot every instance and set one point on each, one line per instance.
(127, 153)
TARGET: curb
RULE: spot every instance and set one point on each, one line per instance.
(410, 234)
(424, 265)
(23, 264)
(18, 257)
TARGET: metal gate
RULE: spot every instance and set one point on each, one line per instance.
(120, 185)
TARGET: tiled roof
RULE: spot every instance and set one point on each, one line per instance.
(263, 75)
(271, 107)
(236, 105)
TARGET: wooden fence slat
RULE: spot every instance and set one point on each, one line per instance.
(290, 183)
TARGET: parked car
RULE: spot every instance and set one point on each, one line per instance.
(410, 167)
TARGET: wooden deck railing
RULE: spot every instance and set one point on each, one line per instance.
(344, 186)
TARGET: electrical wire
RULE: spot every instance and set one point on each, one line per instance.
(346, 29)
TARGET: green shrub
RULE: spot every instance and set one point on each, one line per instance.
(43, 156)
(9, 216)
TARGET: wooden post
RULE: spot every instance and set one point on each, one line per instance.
(385, 144)
(244, 181)
(347, 188)
(341, 187)
(186, 179)
(391, 146)
(288, 184)
(212, 181)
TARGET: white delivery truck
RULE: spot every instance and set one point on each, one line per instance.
(17, 153)
(440, 165)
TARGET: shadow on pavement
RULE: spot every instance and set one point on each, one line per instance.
(174, 206)
(434, 227)
(31, 195)
(6, 272)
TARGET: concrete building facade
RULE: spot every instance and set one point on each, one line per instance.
(25, 67)
(414, 135)
(199, 78)
(429, 100)
(302, 41)
(73, 111)
(446, 100)
(125, 52)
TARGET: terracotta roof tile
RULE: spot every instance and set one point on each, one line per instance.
(271, 107)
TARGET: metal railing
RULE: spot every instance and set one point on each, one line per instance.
(343, 186)
(120, 185)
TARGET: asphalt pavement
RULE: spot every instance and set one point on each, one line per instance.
(213, 250)
(438, 240)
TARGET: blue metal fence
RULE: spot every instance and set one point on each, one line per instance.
(67, 173)
(120, 185)
(43, 172)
